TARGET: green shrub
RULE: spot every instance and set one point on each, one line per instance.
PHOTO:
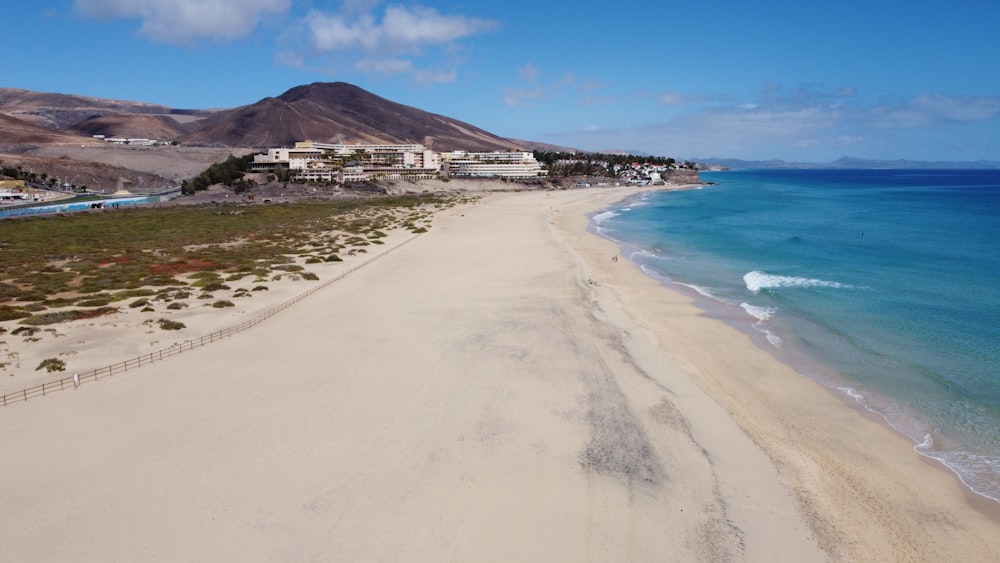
(223, 303)
(8, 313)
(52, 364)
(167, 324)
(99, 301)
(177, 305)
(66, 316)
(139, 303)
(9, 292)
(309, 276)
(142, 292)
(334, 258)
(288, 268)
(215, 286)
(173, 293)
(260, 288)
(159, 280)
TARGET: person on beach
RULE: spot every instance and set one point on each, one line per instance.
(76, 380)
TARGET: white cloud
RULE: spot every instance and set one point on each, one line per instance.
(330, 32)
(935, 109)
(412, 27)
(391, 43)
(184, 22)
(522, 97)
(959, 108)
(401, 29)
(806, 122)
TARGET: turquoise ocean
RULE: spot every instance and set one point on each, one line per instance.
(883, 285)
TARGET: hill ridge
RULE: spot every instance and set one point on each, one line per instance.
(320, 111)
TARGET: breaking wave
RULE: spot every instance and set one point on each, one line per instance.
(756, 281)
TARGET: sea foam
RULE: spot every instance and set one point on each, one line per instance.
(763, 314)
(759, 313)
(757, 280)
(604, 216)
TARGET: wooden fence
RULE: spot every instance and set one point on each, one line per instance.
(145, 359)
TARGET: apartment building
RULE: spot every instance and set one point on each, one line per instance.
(312, 161)
(514, 165)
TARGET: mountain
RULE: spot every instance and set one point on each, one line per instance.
(851, 163)
(131, 126)
(336, 112)
(16, 131)
(339, 112)
(61, 112)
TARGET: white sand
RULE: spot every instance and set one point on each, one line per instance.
(495, 390)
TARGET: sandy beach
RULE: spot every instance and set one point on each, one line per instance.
(496, 389)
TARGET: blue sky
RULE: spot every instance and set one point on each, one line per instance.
(754, 80)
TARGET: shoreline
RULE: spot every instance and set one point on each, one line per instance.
(809, 368)
(545, 404)
(894, 440)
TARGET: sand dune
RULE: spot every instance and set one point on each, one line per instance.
(496, 390)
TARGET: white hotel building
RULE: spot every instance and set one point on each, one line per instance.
(310, 160)
(517, 165)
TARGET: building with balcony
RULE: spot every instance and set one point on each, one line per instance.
(514, 165)
(309, 160)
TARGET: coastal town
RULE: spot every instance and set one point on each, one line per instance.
(345, 163)
(341, 164)
(312, 161)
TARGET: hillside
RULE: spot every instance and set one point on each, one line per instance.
(131, 126)
(320, 111)
(338, 112)
(54, 133)
(64, 111)
(15, 132)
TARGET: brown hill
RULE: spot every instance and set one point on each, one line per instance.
(339, 112)
(63, 111)
(16, 132)
(162, 127)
